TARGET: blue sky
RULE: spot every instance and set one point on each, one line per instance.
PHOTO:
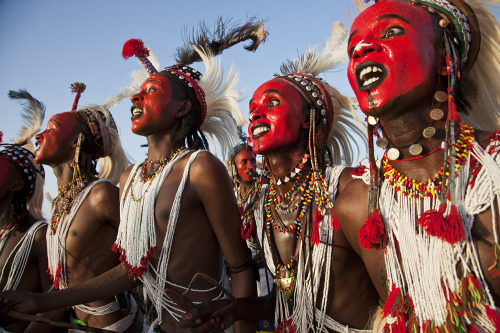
(47, 45)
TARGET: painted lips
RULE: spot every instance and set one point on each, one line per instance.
(369, 75)
(136, 111)
(259, 130)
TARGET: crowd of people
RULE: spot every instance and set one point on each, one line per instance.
(288, 235)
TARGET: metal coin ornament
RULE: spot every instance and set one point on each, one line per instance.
(286, 283)
(393, 154)
(415, 149)
(382, 142)
(436, 114)
(429, 132)
(441, 96)
(372, 120)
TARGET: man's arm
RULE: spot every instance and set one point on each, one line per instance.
(212, 184)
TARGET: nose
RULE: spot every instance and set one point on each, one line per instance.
(38, 136)
(363, 48)
(136, 98)
(255, 115)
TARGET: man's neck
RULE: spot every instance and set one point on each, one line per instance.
(161, 147)
(282, 164)
(63, 173)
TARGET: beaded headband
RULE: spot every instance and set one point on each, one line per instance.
(23, 158)
(94, 122)
(189, 77)
(312, 87)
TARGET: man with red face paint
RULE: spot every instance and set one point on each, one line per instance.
(178, 214)
(302, 127)
(84, 219)
(426, 221)
(23, 251)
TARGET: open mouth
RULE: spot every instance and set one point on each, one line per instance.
(259, 130)
(37, 145)
(136, 111)
(369, 75)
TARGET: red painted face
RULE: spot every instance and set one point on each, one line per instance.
(150, 103)
(392, 54)
(56, 142)
(276, 116)
(246, 165)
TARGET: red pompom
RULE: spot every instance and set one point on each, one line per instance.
(472, 329)
(134, 48)
(315, 232)
(449, 228)
(1, 135)
(372, 234)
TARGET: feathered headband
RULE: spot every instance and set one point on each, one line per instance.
(205, 42)
(21, 152)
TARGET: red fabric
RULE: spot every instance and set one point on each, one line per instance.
(133, 48)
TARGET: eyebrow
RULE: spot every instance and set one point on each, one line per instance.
(392, 16)
(267, 92)
(54, 120)
(353, 33)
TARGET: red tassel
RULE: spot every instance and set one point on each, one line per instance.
(1, 135)
(335, 222)
(494, 318)
(133, 48)
(372, 234)
(432, 221)
(454, 227)
(358, 171)
(315, 232)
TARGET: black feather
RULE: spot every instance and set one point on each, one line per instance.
(224, 35)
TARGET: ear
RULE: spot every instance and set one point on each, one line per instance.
(18, 185)
(184, 108)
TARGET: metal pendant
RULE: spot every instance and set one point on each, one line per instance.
(415, 149)
(436, 114)
(287, 286)
(441, 96)
(429, 132)
(393, 154)
(382, 142)
(372, 120)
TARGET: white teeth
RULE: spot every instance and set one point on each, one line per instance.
(37, 144)
(136, 111)
(259, 130)
(368, 70)
(370, 81)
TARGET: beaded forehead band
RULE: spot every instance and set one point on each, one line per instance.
(187, 76)
(312, 87)
(24, 159)
(465, 25)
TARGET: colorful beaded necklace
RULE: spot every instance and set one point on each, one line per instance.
(61, 205)
(415, 189)
(6, 231)
(285, 272)
(149, 177)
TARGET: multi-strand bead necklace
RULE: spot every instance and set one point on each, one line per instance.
(415, 189)
(150, 176)
(61, 205)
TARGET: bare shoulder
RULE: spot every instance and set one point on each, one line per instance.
(125, 174)
(345, 178)
(41, 233)
(351, 207)
(103, 192)
(207, 166)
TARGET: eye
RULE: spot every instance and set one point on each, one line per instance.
(393, 32)
(273, 103)
(151, 89)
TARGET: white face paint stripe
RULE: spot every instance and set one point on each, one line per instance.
(360, 45)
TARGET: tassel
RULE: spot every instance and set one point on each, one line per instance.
(335, 222)
(372, 234)
(432, 221)
(494, 318)
(315, 232)
(495, 267)
(472, 329)
(454, 229)
(78, 88)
